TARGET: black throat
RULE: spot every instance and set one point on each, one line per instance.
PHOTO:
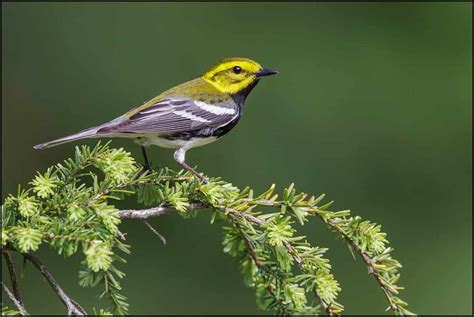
(240, 97)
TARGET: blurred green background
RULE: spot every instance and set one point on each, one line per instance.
(372, 107)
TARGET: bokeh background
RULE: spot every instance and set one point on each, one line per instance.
(372, 107)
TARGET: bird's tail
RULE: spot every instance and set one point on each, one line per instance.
(87, 133)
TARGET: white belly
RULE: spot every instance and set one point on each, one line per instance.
(175, 144)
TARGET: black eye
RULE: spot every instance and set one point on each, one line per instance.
(236, 69)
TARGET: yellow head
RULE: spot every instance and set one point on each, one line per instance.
(232, 75)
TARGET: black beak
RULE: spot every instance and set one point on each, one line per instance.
(265, 72)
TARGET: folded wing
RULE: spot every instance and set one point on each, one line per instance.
(174, 115)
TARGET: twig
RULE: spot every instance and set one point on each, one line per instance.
(248, 243)
(327, 307)
(121, 235)
(369, 262)
(79, 306)
(296, 257)
(155, 211)
(163, 239)
(251, 252)
(11, 269)
(15, 302)
(294, 254)
(72, 307)
(162, 210)
(242, 214)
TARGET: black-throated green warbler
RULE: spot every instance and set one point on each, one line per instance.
(189, 115)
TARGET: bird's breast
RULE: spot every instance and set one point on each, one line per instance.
(175, 143)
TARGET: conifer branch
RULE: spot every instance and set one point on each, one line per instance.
(158, 211)
(389, 289)
(289, 275)
(388, 286)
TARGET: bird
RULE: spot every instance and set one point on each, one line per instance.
(186, 116)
